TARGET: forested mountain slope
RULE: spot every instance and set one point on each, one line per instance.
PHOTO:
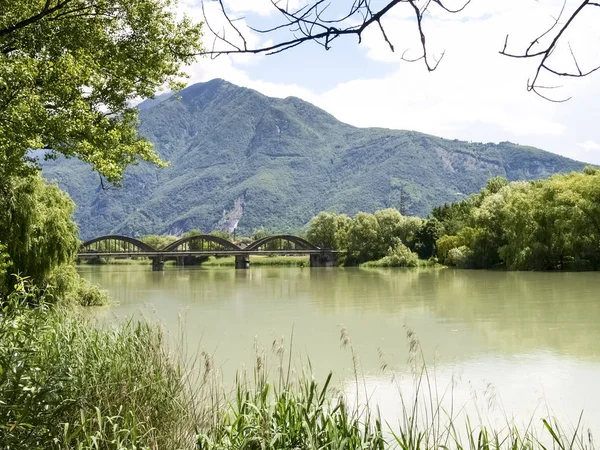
(239, 158)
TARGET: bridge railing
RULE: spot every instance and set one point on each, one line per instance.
(204, 245)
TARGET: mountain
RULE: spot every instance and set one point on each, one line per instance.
(239, 158)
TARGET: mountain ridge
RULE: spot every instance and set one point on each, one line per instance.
(242, 159)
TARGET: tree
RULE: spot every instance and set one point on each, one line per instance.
(158, 241)
(36, 229)
(543, 225)
(426, 237)
(69, 70)
(314, 22)
(363, 239)
(260, 234)
(388, 229)
(326, 229)
(4, 267)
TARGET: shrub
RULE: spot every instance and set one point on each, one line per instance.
(66, 286)
(400, 256)
(460, 257)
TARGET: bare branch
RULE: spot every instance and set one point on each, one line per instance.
(310, 23)
(546, 52)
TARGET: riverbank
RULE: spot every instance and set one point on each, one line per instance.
(268, 261)
(227, 261)
(67, 384)
(76, 385)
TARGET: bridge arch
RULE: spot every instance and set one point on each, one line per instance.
(200, 240)
(299, 243)
(109, 244)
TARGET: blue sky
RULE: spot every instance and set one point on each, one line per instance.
(475, 94)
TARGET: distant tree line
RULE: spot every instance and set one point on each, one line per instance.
(551, 224)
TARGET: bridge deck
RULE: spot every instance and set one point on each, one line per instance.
(167, 254)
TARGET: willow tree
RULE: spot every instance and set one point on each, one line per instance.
(37, 232)
(328, 230)
(69, 70)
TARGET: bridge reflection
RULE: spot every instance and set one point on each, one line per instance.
(189, 248)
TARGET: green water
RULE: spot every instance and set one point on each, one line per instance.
(527, 340)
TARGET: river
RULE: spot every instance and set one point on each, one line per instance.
(510, 343)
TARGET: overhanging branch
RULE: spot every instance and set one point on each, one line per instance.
(557, 31)
(311, 24)
(314, 23)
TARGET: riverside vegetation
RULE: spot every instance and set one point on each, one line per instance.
(551, 224)
(525, 225)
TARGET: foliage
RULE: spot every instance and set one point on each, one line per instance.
(399, 256)
(259, 234)
(66, 384)
(460, 257)
(193, 232)
(362, 239)
(426, 237)
(221, 234)
(36, 227)
(69, 70)
(327, 230)
(290, 415)
(285, 160)
(544, 225)
(65, 285)
(365, 237)
(4, 266)
(158, 242)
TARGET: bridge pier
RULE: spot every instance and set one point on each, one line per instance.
(323, 259)
(242, 261)
(158, 264)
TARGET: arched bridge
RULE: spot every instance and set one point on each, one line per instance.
(206, 245)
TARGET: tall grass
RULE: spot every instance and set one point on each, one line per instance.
(287, 411)
(67, 384)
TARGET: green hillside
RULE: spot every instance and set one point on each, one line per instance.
(241, 158)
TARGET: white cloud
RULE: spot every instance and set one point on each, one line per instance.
(590, 145)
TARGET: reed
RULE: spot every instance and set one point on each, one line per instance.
(287, 412)
(67, 384)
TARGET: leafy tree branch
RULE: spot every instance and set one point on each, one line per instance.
(70, 69)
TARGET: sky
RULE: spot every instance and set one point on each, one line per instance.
(475, 94)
